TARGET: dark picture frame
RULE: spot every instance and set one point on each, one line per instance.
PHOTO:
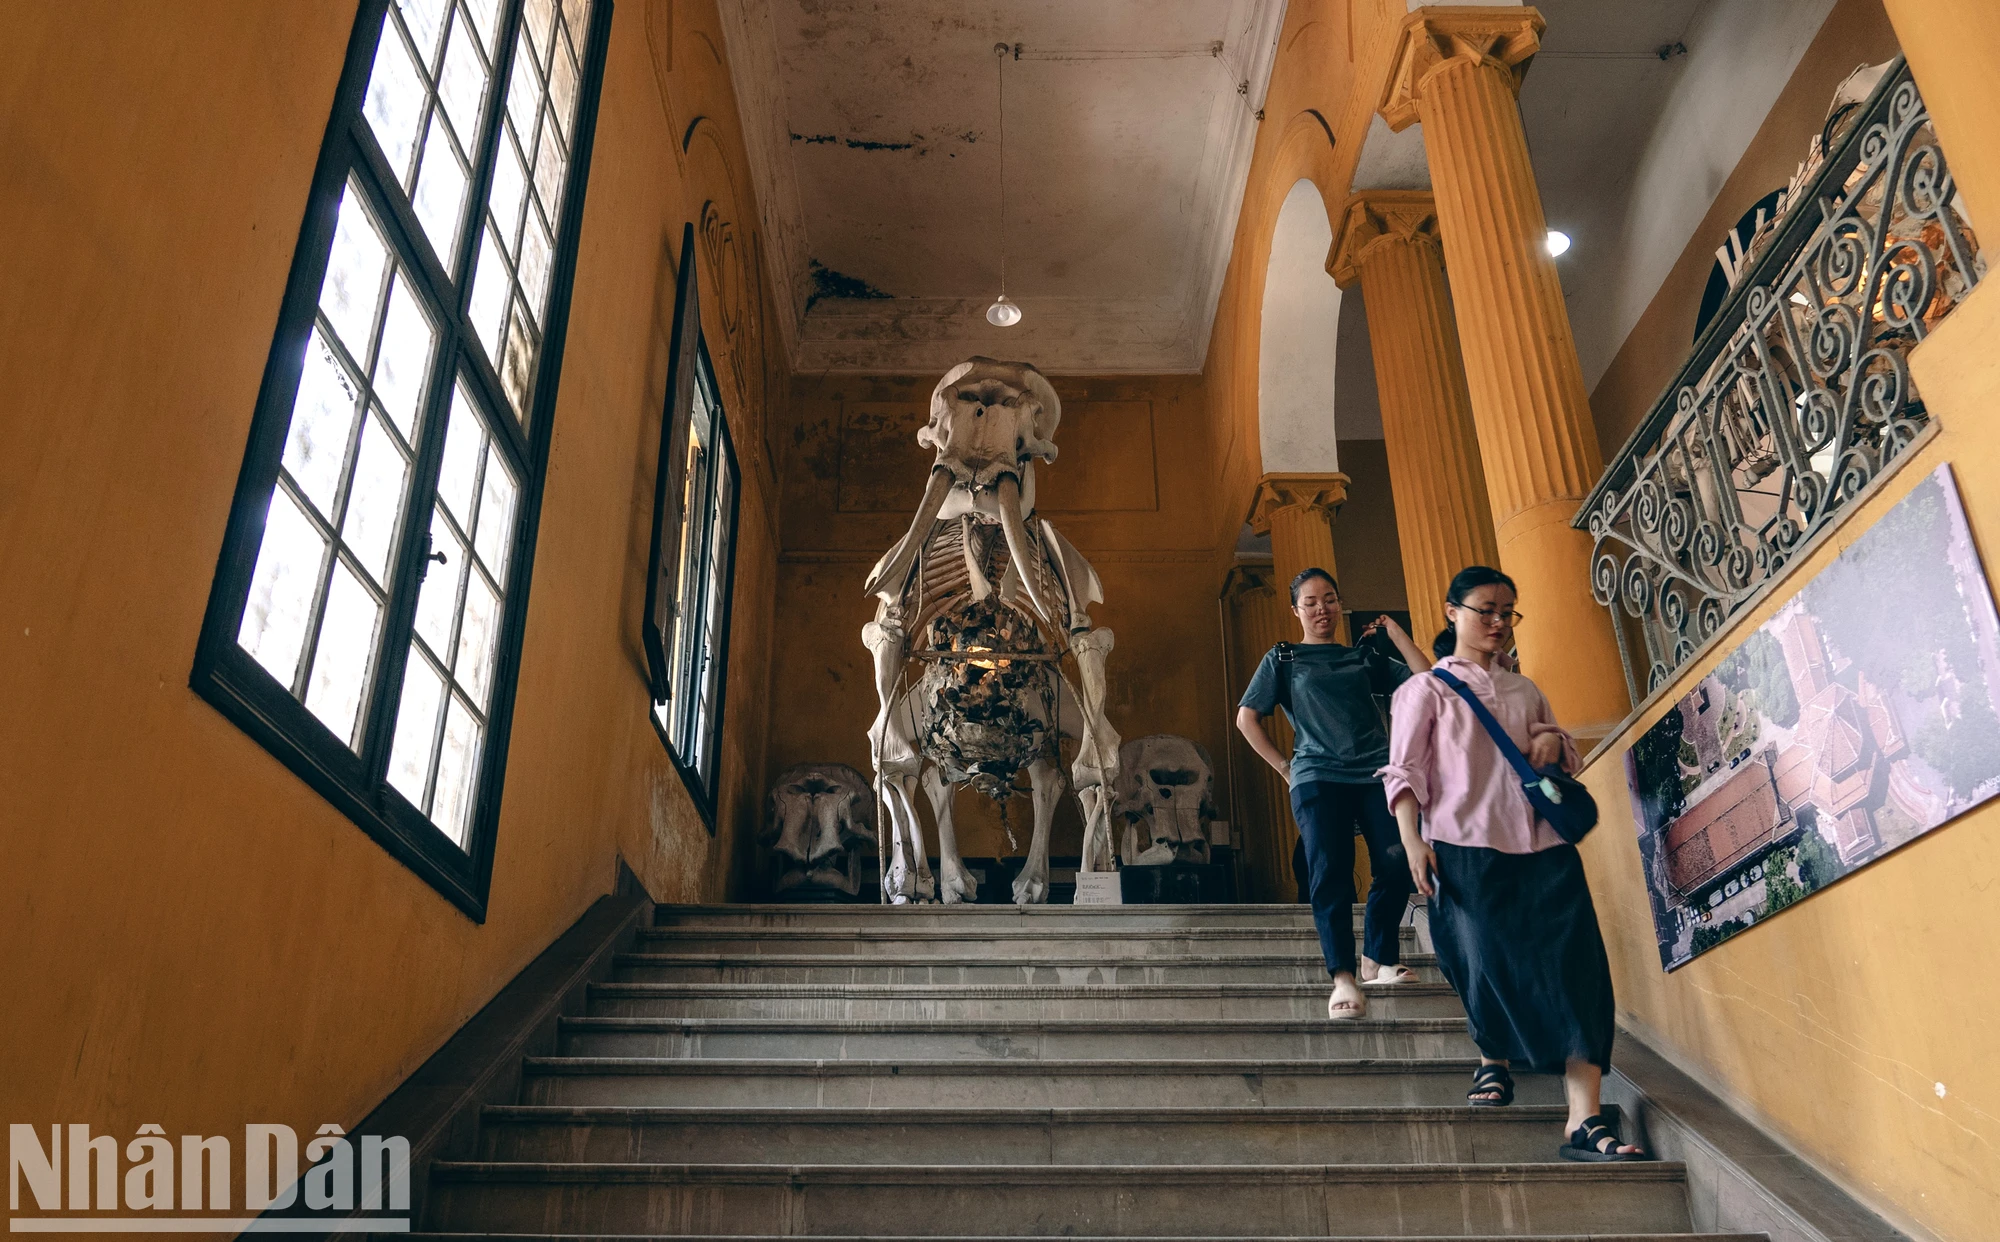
(691, 562)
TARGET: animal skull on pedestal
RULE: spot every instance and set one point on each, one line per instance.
(1166, 796)
(818, 826)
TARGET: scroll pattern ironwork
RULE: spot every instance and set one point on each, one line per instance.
(1796, 396)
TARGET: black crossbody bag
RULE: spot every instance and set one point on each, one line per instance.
(1557, 797)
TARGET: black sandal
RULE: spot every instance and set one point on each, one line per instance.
(1595, 1142)
(1488, 1079)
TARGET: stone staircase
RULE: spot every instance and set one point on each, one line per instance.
(984, 1072)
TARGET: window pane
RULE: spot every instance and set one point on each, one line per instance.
(322, 422)
(440, 192)
(352, 289)
(459, 475)
(474, 667)
(395, 103)
(540, 15)
(524, 90)
(577, 12)
(346, 648)
(375, 499)
(562, 88)
(509, 183)
(437, 602)
(489, 295)
(463, 81)
(451, 804)
(485, 14)
(408, 340)
(549, 165)
(496, 519)
(426, 18)
(281, 590)
(416, 728)
(535, 265)
(518, 362)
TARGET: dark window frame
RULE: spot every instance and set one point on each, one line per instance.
(227, 676)
(691, 371)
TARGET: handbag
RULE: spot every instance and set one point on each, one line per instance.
(1557, 797)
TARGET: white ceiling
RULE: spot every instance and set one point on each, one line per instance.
(873, 137)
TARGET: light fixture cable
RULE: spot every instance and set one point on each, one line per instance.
(1003, 313)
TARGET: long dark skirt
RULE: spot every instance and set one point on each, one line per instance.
(1517, 937)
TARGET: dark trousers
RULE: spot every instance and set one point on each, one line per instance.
(1329, 813)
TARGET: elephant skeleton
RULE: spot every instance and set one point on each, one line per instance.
(985, 602)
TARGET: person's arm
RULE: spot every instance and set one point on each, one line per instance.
(1422, 859)
(1548, 742)
(1406, 779)
(1251, 725)
(1401, 639)
(1406, 648)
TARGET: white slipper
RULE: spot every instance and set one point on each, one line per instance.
(1394, 974)
(1357, 1008)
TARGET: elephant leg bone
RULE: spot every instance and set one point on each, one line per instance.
(1031, 887)
(955, 883)
(909, 877)
(1096, 767)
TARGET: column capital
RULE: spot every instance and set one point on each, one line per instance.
(1323, 492)
(1249, 578)
(1503, 36)
(1374, 218)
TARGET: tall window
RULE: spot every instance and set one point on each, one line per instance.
(366, 617)
(693, 557)
(692, 715)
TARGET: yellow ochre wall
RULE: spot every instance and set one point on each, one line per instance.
(1859, 1024)
(192, 936)
(1132, 486)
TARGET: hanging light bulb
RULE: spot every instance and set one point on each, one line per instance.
(1556, 242)
(1004, 313)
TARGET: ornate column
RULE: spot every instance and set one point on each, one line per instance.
(1388, 241)
(1949, 44)
(1258, 619)
(1457, 70)
(1297, 511)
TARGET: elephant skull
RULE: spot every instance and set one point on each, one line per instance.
(819, 824)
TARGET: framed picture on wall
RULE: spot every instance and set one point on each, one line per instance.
(691, 566)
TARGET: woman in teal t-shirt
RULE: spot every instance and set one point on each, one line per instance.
(1339, 743)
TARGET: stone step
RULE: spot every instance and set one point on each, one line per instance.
(1125, 918)
(1006, 941)
(1063, 1136)
(1205, 1201)
(893, 1002)
(737, 1038)
(1089, 970)
(876, 1237)
(911, 1083)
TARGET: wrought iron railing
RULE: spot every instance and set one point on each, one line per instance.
(1797, 394)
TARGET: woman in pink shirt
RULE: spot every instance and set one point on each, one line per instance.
(1511, 916)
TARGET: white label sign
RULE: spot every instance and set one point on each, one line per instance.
(1098, 888)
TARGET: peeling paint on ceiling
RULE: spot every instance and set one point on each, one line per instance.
(872, 130)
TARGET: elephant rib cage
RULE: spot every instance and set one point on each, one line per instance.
(987, 694)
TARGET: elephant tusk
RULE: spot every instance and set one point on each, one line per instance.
(1008, 492)
(894, 570)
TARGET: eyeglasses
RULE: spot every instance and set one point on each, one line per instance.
(1494, 616)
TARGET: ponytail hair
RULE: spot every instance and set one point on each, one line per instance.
(1464, 583)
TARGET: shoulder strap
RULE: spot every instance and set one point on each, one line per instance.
(1285, 658)
(1508, 750)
